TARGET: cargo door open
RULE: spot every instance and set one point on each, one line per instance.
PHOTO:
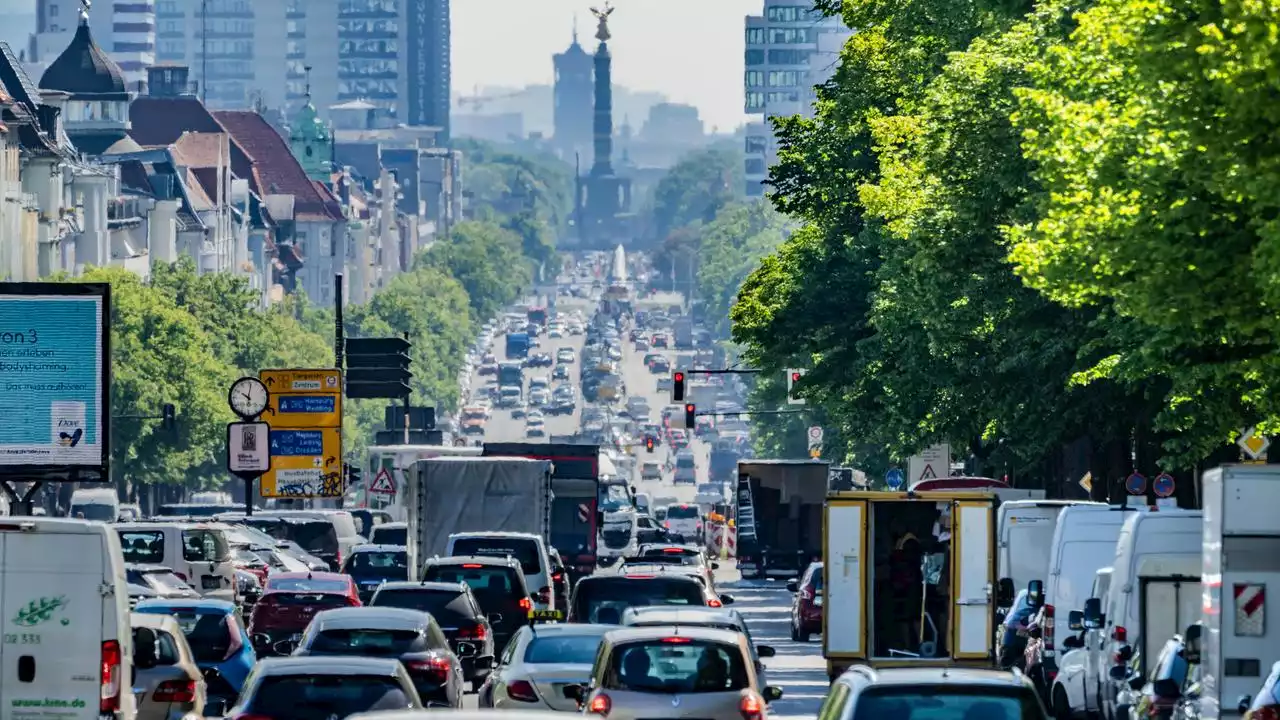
(972, 579)
(844, 633)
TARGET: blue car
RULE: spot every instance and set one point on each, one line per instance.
(218, 641)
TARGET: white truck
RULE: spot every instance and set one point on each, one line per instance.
(447, 495)
(1241, 558)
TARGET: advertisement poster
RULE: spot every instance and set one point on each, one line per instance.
(54, 373)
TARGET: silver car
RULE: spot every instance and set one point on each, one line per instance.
(539, 662)
(710, 617)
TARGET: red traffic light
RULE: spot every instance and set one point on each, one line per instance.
(795, 377)
(690, 408)
(648, 443)
(678, 377)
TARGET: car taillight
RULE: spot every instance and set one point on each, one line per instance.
(110, 695)
(600, 705)
(806, 593)
(750, 707)
(1046, 627)
(477, 632)
(714, 602)
(1266, 712)
(440, 667)
(557, 577)
(176, 691)
(526, 604)
(522, 690)
(1119, 634)
(666, 524)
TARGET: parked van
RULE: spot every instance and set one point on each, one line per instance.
(343, 524)
(67, 614)
(101, 504)
(529, 549)
(1156, 581)
(1026, 538)
(1076, 688)
(197, 552)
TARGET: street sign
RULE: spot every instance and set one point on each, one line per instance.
(247, 453)
(584, 512)
(305, 415)
(1254, 444)
(815, 451)
(1086, 482)
(894, 479)
(815, 435)
(1163, 485)
(932, 464)
(1136, 484)
(382, 483)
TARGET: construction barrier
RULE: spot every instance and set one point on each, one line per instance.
(724, 541)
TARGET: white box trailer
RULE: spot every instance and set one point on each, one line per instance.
(1239, 643)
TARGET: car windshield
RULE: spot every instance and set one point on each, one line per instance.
(571, 649)
(365, 641)
(448, 607)
(307, 585)
(937, 703)
(677, 665)
(682, 512)
(604, 600)
(321, 697)
(390, 536)
(524, 550)
(381, 564)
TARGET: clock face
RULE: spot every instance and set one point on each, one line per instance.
(248, 397)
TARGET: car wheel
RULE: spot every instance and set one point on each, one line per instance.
(802, 635)
(1061, 706)
(795, 634)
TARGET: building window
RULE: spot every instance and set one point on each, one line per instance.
(784, 78)
(775, 98)
(790, 36)
(754, 57)
(755, 189)
(789, 57)
(755, 36)
(755, 145)
(754, 78)
(787, 13)
(53, 11)
(755, 101)
(755, 166)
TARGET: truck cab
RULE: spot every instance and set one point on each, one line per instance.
(914, 574)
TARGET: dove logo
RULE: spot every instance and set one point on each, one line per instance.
(68, 424)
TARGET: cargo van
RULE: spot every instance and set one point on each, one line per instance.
(68, 650)
(1155, 581)
(101, 504)
(196, 552)
(1026, 538)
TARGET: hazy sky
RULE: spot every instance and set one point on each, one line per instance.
(690, 50)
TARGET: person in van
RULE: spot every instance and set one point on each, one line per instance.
(904, 581)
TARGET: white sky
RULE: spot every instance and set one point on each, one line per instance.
(689, 50)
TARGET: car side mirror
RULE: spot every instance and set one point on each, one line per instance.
(495, 617)
(285, 647)
(772, 693)
(715, 566)
(726, 599)
(765, 651)
(1072, 642)
(1242, 705)
(793, 586)
(1075, 620)
(144, 648)
(1004, 592)
(1119, 672)
(1092, 616)
(1035, 593)
(574, 692)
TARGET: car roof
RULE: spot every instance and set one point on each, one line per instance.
(221, 606)
(424, 586)
(384, 618)
(332, 665)
(675, 577)
(494, 534)
(646, 568)
(697, 616)
(147, 567)
(316, 575)
(560, 629)
(393, 525)
(693, 632)
(939, 675)
(375, 547)
(474, 560)
(155, 621)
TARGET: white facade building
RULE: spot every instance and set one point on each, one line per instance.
(790, 48)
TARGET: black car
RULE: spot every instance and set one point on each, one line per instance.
(498, 585)
(372, 565)
(602, 598)
(539, 360)
(456, 609)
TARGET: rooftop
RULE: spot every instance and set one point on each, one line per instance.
(83, 69)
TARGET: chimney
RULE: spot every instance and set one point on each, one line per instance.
(168, 81)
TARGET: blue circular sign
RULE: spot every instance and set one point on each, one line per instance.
(1163, 485)
(1136, 484)
(894, 479)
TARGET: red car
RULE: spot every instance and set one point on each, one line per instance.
(288, 603)
(806, 606)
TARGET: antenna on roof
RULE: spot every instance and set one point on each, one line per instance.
(84, 11)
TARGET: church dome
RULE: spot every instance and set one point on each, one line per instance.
(83, 69)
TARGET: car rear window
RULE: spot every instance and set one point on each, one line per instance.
(572, 649)
(144, 547)
(523, 549)
(604, 600)
(390, 536)
(315, 599)
(208, 634)
(366, 641)
(205, 545)
(299, 584)
(379, 563)
(448, 607)
(923, 702)
(320, 697)
(482, 579)
(677, 665)
(685, 462)
(317, 537)
(683, 512)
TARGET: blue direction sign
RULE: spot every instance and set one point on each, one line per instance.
(293, 443)
(894, 479)
(1163, 485)
(1136, 484)
(308, 403)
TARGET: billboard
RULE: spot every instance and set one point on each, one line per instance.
(55, 379)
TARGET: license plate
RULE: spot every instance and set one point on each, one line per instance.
(211, 582)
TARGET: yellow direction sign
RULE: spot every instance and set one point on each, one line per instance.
(304, 410)
(1254, 444)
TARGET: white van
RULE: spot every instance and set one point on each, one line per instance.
(68, 646)
(1075, 689)
(101, 504)
(529, 549)
(1026, 538)
(1156, 582)
(196, 552)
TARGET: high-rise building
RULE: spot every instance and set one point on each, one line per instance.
(791, 47)
(392, 54)
(573, 101)
(124, 29)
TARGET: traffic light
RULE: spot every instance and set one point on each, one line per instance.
(677, 386)
(793, 379)
(378, 368)
(355, 475)
(690, 416)
(649, 443)
(168, 417)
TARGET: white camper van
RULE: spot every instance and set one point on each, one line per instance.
(68, 646)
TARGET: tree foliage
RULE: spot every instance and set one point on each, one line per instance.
(488, 261)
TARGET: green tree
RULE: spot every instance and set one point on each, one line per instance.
(488, 261)
(730, 248)
(694, 190)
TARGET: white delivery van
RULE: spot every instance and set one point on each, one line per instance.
(529, 549)
(196, 552)
(1026, 538)
(100, 503)
(1155, 570)
(68, 647)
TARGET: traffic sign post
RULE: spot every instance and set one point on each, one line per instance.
(1164, 485)
(248, 456)
(815, 442)
(1136, 484)
(305, 441)
(383, 483)
(894, 479)
(1253, 445)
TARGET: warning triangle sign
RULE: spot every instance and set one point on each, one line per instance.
(383, 484)
(928, 473)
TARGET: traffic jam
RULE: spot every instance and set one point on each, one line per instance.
(594, 534)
